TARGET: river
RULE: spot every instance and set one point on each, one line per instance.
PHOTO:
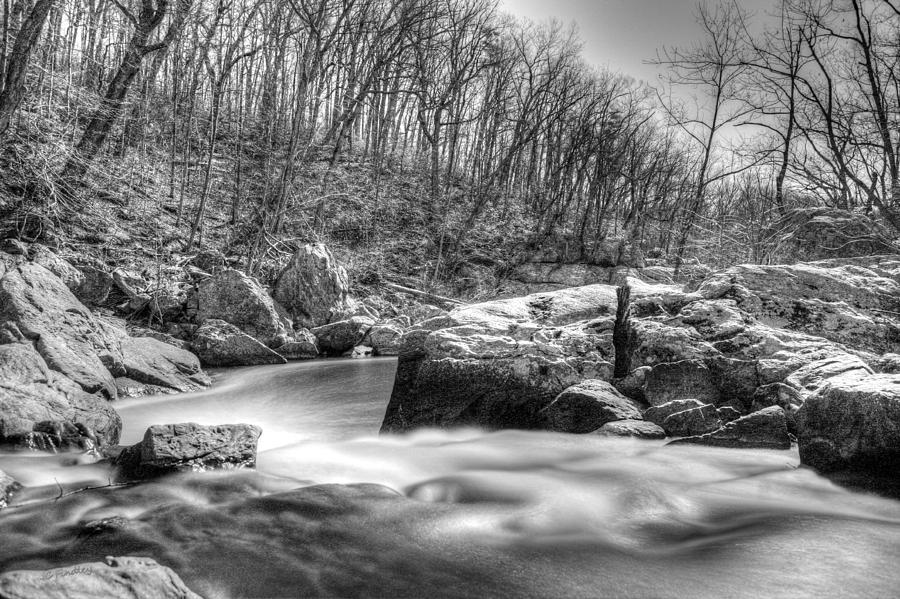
(335, 510)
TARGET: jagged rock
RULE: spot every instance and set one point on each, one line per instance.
(384, 339)
(302, 347)
(339, 337)
(765, 429)
(632, 428)
(37, 306)
(117, 578)
(693, 421)
(687, 379)
(658, 414)
(218, 343)
(240, 300)
(852, 422)
(153, 362)
(313, 287)
(32, 394)
(171, 448)
(8, 487)
(587, 406)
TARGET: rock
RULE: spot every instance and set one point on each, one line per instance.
(362, 351)
(68, 274)
(35, 305)
(587, 406)
(171, 448)
(240, 300)
(95, 288)
(727, 413)
(633, 385)
(384, 339)
(338, 337)
(847, 303)
(658, 414)
(8, 488)
(156, 363)
(32, 394)
(823, 232)
(302, 347)
(887, 363)
(209, 261)
(313, 287)
(765, 429)
(218, 343)
(632, 428)
(497, 364)
(852, 423)
(693, 421)
(116, 578)
(687, 379)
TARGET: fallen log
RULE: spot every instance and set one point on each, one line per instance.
(423, 294)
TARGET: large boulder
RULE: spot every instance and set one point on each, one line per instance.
(240, 300)
(218, 343)
(765, 429)
(385, 338)
(36, 306)
(172, 448)
(692, 421)
(313, 287)
(116, 578)
(32, 395)
(342, 336)
(587, 406)
(852, 422)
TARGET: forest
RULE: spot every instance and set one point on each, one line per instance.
(434, 140)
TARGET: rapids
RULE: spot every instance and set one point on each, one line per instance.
(336, 510)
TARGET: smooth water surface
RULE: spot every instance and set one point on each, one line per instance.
(451, 513)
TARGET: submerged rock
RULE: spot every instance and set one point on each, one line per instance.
(218, 343)
(632, 428)
(8, 486)
(171, 448)
(852, 423)
(116, 578)
(587, 406)
(313, 287)
(765, 429)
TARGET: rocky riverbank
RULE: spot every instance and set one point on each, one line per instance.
(753, 356)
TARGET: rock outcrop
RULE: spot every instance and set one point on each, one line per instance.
(116, 578)
(313, 287)
(172, 448)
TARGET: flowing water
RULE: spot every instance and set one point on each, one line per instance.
(335, 510)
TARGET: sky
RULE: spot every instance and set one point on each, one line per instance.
(622, 34)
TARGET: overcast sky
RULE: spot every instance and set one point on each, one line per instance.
(621, 34)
